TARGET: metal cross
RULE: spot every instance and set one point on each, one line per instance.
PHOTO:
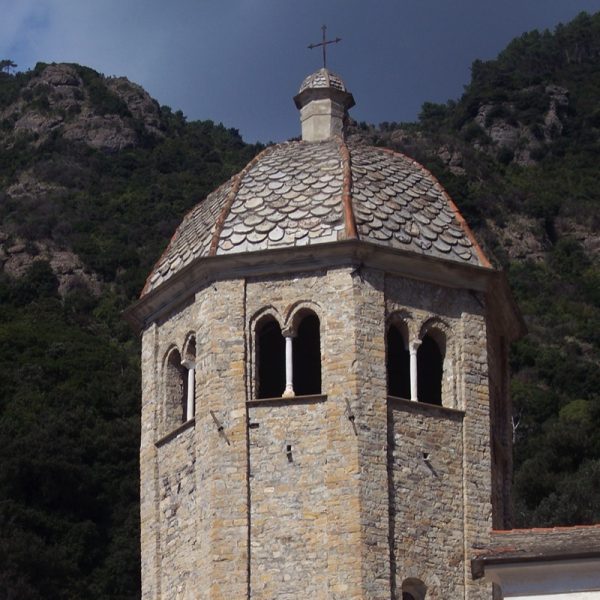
(324, 44)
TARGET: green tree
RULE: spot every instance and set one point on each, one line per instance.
(6, 65)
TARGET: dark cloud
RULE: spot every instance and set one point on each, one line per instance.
(241, 61)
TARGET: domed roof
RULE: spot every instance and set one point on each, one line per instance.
(323, 78)
(308, 193)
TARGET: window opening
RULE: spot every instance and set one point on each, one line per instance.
(398, 364)
(175, 391)
(189, 364)
(307, 356)
(413, 589)
(270, 359)
(430, 370)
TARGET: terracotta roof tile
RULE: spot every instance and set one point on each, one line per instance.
(543, 542)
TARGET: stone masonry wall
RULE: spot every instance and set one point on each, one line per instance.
(289, 500)
(356, 508)
(371, 421)
(178, 496)
(223, 465)
(474, 396)
(194, 486)
(426, 486)
(161, 506)
(501, 433)
(149, 514)
(460, 315)
(327, 458)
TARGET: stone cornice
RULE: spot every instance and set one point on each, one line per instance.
(181, 287)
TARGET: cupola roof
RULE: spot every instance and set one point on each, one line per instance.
(323, 78)
(309, 193)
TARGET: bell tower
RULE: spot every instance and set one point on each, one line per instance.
(324, 409)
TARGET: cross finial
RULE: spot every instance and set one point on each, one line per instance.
(324, 44)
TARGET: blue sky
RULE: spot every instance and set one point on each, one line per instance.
(241, 61)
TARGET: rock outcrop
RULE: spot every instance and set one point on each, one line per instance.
(506, 129)
(17, 256)
(84, 107)
(77, 104)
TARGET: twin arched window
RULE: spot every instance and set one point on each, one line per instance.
(415, 372)
(288, 363)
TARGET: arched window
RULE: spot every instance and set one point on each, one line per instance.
(398, 361)
(175, 391)
(190, 349)
(430, 361)
(270, 359)
(189, 364)
(307, 356)
(413, 589)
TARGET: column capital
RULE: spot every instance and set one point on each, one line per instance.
(188, 364)
(288, 332)
(414, 346)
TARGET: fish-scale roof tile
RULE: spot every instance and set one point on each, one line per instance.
(414, 207)
(308, 187)
(323, 78)
(293, 195)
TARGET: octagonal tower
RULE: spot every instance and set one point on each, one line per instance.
(324, 361)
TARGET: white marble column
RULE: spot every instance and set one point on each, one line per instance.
(289, 364)
(190, 408)
(412, 349)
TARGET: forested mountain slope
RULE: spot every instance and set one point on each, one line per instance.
(94, 177)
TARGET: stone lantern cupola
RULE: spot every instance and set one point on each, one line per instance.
(323, 102)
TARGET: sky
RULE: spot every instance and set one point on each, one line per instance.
(240, 62)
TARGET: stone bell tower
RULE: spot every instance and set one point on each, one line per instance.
(325, 411)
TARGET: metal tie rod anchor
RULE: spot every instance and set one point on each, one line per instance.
(220, 428)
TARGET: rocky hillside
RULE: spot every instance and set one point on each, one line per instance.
(76, 105)
(94, 178)
(108, 114)
(94, 174)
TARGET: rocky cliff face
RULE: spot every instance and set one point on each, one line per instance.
(83, 107)
(506, 129)
(17, 253)
(80, 106)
